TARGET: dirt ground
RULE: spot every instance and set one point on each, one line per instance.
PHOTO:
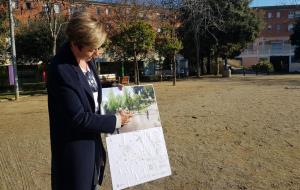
(239, 133)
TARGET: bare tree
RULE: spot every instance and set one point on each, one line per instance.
(52, 12)
(172, 8)
(127, 12)
(202, 17)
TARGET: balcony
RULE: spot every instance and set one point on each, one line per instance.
(269, 50)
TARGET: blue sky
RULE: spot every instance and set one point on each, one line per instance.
(260, 3)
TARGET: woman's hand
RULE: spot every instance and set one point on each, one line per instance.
(125, 117)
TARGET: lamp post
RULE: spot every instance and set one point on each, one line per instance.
(13, 49)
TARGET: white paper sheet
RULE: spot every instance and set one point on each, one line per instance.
(137, 157)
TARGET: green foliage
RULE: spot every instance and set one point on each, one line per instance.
(218, 29)
(133, 42)
(263, 65)
(149, 92)
(137, 38)
(242, 26)
(137, 101)
(4, 31)
(295, 39)
(114, 103)
(35, 42)
(166, 45)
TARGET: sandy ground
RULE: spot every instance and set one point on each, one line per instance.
(239, 133)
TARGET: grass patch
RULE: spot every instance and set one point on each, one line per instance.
(11, 94)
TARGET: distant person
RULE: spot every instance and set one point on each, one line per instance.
(147, 112)
(74, 98)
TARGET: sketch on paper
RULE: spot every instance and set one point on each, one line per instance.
(137, 157)
(139, 100)
(138, 153)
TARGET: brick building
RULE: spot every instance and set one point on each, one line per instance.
(26, 11)
(273, 42)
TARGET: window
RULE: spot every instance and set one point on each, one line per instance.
(13, 5)
(141, 15)
(28, 5)
(269, 15)
(45, 8)
(98, 11)
(163, 17)
(269, 27)
(278, 27)
(291, 14)
(276, 45)
(250, 46)
(56, 8)
(16, 22)
(290, 27)
(297, 14)
(277, 14)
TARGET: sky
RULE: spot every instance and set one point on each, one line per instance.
(260, 3)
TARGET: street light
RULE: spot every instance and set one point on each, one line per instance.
(13, 49)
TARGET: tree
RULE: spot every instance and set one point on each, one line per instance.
(4, 31)
(55, 20)
(295, 39)
(169, 36)
(168, 46)
(128, 12)
(241, 27)
(134, 41)
(202, 18)
(35, 42)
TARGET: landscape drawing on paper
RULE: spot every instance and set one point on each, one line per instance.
(137, 152)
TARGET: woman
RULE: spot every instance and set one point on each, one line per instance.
(74, 98)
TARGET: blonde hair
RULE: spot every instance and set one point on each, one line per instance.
(85, 30)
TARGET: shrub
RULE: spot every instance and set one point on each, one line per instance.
(264, 66)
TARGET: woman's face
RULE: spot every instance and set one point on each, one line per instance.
(87, 53)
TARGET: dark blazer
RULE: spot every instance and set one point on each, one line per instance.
(78, 155)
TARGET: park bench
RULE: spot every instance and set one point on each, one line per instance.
(124, 80)
(108, 80)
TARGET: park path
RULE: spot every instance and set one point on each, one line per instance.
(143, 120)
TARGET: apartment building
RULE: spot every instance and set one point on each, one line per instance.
(26, 11)
(274, 42)
(112, 14)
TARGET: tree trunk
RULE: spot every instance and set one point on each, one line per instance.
(138, 73)
(208, 64)
(197, 44)
(135, 70)
(174, 70)
(54, 45)
(198, 62)
(217, 72)
(226, 64)
(202, 64)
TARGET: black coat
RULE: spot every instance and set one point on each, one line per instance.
(78, 155)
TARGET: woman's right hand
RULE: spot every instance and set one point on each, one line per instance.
(125, 117)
